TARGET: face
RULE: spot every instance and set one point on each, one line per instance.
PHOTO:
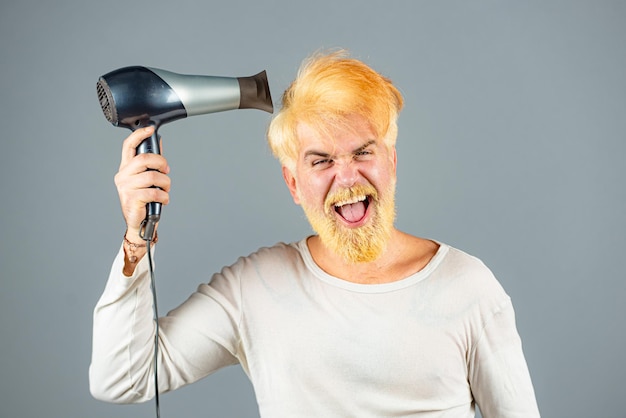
(345, 183)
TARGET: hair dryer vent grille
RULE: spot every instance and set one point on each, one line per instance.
(106, 101)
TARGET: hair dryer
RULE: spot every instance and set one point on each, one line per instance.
(136, 97)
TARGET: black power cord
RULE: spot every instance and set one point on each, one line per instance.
(156, 322)
(147, 232)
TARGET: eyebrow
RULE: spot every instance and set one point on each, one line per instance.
(362, 147)
(315, 153)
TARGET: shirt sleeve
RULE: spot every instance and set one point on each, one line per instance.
(498, 373)
(196, 339)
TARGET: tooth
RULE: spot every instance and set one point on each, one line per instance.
(350, 201)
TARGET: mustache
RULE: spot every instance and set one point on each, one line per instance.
(348, 194)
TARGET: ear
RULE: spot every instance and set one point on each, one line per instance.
(394, 158)
(292, 185)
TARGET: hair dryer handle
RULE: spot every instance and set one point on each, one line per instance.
(153, 209)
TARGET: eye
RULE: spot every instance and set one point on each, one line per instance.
(362, 154)
(321, 162)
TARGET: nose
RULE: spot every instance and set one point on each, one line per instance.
(347, 173)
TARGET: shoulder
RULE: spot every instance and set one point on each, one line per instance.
(469, 276)
(460, 261)
(279, 253)
(278, 257)
(258, 269)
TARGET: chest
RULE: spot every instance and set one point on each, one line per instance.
(400, 342)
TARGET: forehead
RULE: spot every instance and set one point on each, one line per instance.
(351, 133)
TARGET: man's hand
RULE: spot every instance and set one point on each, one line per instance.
(135, 181)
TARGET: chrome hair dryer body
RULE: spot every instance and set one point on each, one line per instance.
(136, 97)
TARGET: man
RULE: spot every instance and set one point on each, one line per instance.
(358, 320)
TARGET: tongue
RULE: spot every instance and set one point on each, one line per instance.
(353, 212)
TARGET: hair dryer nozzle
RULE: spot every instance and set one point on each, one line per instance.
(255, 93)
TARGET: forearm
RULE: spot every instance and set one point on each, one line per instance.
(190, 345)
(123, 335)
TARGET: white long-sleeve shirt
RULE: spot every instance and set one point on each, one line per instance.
(430, 345)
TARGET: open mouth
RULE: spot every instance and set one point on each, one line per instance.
(354, 209)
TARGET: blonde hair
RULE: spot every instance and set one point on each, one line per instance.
(328, 88)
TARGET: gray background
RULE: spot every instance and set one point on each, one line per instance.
(511, 148)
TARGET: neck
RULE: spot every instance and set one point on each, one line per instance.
(403, 256)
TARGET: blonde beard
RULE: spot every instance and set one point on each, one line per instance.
(355, 245)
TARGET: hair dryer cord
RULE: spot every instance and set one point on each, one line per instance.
(156, 322)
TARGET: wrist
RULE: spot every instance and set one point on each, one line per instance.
(133, 236)
(136, 248)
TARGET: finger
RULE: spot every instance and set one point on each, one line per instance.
(128, 183)
(134, 205)
(129, 147)
(148, 179)
(150, 194)
(147, 161)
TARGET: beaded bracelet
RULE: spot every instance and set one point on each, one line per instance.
(132, 247)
